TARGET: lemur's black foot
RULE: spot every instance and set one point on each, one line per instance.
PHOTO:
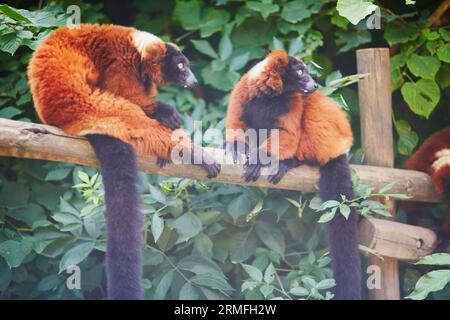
(161, 162)
(238, 149)
(283, 167)
(167, 115)
(209, 164)
(252, 172)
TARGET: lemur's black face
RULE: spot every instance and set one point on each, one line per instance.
(298, 79)
(176, 68)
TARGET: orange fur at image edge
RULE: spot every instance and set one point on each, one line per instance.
(433, 157)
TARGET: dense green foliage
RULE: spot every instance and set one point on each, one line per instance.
(207, 240)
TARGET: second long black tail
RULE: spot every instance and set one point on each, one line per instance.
(335, 179)
(123, 217)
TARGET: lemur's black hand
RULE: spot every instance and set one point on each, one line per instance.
(167, 115)
(208, 163)
(238, 149)
(252, 172)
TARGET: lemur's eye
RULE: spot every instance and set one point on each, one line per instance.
(180, 66)
(300, 72)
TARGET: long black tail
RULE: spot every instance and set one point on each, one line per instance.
(123, 217)
(335, 179)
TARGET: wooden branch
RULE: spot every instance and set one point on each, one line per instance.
(439, 12)
(396, 240)
(36, 141)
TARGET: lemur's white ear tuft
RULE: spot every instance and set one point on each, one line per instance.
(142, 39)
(257, 69)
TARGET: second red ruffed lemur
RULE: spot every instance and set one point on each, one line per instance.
(100, 81)
(278, 93)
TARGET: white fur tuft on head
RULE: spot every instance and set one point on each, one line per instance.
(142, 39)
(257, 69)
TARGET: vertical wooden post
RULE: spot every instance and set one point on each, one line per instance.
(375, 101)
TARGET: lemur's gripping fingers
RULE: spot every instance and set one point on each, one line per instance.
(208, 163)
(161, 162)
(279, 174)
(252, 172)
(167, 115)
(238, 149)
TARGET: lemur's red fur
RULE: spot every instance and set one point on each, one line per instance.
(87, 93)
(314, 128)
(433, 157)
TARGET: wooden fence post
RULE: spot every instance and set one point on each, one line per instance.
(375, 102)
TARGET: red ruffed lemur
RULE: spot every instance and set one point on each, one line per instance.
(432, 157)
(278, 93)
(100, 81)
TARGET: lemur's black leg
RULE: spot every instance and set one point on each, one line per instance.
(167, 115)
(283, 167)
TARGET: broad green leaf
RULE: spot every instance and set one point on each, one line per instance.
(213, 20)
(326, 284)
(443, 53)
(188, 13)
(157, 226)
(327, 216)
(225, 47)
(203, 244)
(436, 259)
(408, 138)
(253, 272)
(430, 282)
(355, 10)
(264, 8)
(13, 14)
(152, 257)
(295, 46)
(188, 225)
(351, 39)
(401, 33)
(277, 44)
(239, 62)
(188, 292)
(163, 286)
(423, 66)
(157, 194)
(239, 206)
(50, 282)
(271, 236)
(422, 96)
(76, 255)
(10, 112)
(266, 290)
(204, 47)
(58, 174)
(212, 281)
(299, 291)
(12, 41)
(200, 265)
(345, 210)
(14, 251)
(295, 11)
(269, 274)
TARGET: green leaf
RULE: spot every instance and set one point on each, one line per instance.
(157, 226)
(83, 177)
(58, 174)
(76, 255)
(13, 14)
(200, 265)
(277, 44)
(239, 62)
(408, 139)
(14, 251)
(326, 284)
(264, 8)
(271, 236)
(10, 112)
(355, 10)
(401, 33)
(295, 46)
(152, 257)
(443, 53)
(204, 47)
(266, 290)
(213, 20)
(327, 216)
(189, 292)
(239, 206)
(188, 225)
(422, 96)
(430, 282)
(157, 194)
(212, 281)
(351, 39)
(188, 13)
(295, 11)
(225, 47)
(423, 66)
(436, 259)
(269, 274)
(329, 204)
(163, 286)
(253, 272)
(345, 210)
(299, 291)
(50, 282)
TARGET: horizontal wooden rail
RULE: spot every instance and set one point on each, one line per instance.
(36, 141)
